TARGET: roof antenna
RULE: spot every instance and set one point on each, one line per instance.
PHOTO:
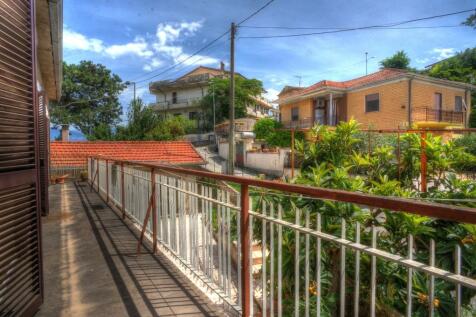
(298, 77)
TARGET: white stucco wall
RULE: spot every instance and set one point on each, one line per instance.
(188, 93)
(269, 163)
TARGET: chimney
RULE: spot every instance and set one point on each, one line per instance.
(65, 133)
(222, 66)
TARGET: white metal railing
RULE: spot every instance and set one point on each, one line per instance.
(300, 258)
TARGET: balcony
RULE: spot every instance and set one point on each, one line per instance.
(177, 104)
(426, 117)
(261, 255)
(305, 123)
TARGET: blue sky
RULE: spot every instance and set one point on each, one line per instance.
(139, 38)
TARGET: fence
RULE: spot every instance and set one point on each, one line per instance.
(319, 254)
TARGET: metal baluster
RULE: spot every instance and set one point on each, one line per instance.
(342, 271)
(220, 241)
(306, 270)
(280, 263)
(210, 234)
(239, 255)
(263, 260)
(271, 273)
(431, 295)
(252, 294)
(296, 267)
(357, 272)
(410, 277)
(203, 224)
(373, 273)
(228, 232)
(318, 268)
(458, 286)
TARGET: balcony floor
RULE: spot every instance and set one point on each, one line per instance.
(91, 267)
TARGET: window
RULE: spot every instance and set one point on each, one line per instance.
(178, 114)
(295, 114)
(372, 103)
(193, 115)
(174, 97)
(459, 104)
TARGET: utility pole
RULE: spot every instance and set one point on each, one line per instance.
(128, 83)
(214, 107)
(231, 137)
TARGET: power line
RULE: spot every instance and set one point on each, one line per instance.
(193, 64)
(345, 28)
(359, 28)
(186, 59)
(204, 47)
(255, 13)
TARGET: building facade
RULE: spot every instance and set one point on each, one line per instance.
(181, 97)
(387, 99)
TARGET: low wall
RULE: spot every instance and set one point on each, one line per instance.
(271, 163)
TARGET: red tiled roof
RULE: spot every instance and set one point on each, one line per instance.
(74, 154)
(384, 74)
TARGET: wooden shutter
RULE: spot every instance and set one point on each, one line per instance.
(20, 247)
(44, 144)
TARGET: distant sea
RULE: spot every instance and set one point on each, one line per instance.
(74, 135)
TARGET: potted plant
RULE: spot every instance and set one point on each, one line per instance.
(83, 175)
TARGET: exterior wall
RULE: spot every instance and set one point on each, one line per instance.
(183, 94)
(305, 110)
(423, 95)
(393, 111)
(268, 163)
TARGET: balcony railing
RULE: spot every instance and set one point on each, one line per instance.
(179, 103)
(313, 257)
(428, 114)
(299, 124)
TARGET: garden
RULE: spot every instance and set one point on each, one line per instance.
(346, 158)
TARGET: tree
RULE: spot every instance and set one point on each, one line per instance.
(471, 20)
(461, 67)
(90, 98)
(399, 60)
(219, 92)
(146, 124)
(271, 131)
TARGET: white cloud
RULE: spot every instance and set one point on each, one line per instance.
(166, 45)
(271, 94)
(75, 41)
(422, 60)
(139, 47)
(443, 53)
(154, 63)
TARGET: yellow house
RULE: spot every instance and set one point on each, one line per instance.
(387, 99)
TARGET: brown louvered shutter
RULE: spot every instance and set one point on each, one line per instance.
(44, 137)
(20, 247)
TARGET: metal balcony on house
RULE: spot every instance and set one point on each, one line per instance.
(175, 104)
(299, 124)
(248, 246)
(431, 117)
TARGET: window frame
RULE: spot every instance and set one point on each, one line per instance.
(174, 97)
(366, 102)
(293, 114)
(462, 103)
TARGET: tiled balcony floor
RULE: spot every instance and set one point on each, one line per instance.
(91, 267)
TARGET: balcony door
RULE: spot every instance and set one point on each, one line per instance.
(320, 112)
(438, 105)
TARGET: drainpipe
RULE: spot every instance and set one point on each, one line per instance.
(410, 102)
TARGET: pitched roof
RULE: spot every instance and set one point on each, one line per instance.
(384, 74)
(75, 154)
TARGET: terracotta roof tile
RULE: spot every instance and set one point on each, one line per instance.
(384, 74)
(74, 154)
